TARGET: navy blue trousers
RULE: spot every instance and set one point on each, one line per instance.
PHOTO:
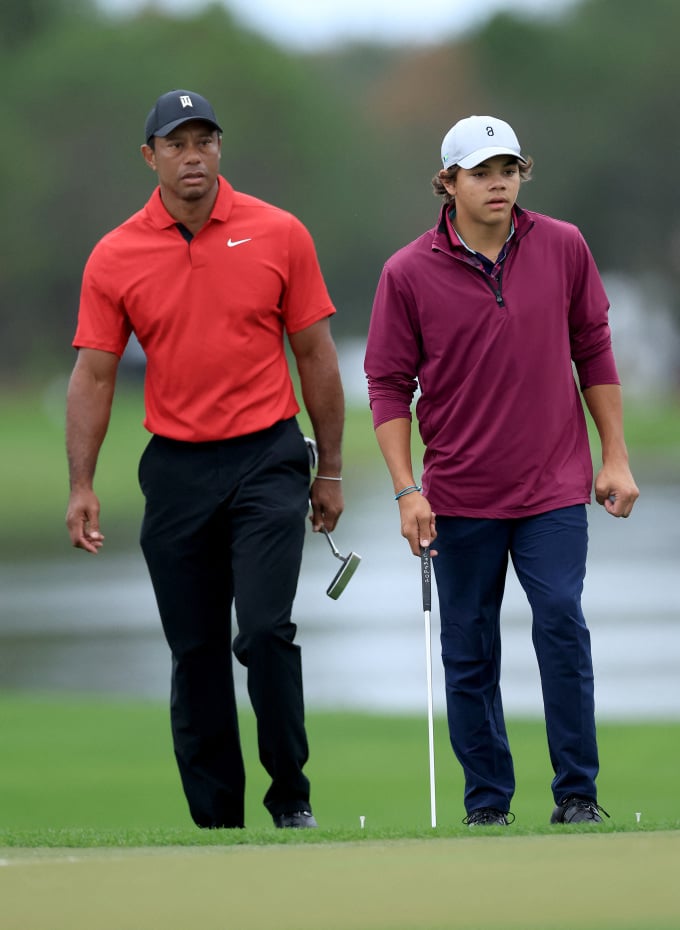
(224, 525)
(548, 553)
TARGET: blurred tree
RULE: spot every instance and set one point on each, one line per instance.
(74, 169)
(348, 140)
(22, 20)
(591, 93)
(593, 98)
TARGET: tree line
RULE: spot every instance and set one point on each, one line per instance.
(347, 139)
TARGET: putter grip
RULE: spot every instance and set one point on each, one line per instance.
(426, 569)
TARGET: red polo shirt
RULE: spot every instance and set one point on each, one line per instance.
(210, 314)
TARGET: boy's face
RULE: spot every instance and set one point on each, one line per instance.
(486, 193)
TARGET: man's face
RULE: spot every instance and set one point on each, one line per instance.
(187, 160)
(486, 193)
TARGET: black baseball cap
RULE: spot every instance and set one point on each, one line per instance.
(177, 107)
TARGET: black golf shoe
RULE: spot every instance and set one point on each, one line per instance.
(297, 820)
(488, 817)
(578, 810)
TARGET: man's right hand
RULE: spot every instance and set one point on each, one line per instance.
(82, 520)
(417, 522)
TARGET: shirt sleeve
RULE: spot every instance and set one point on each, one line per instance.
(589, 332)
(393, 352)
(102, 320)
(306, 299)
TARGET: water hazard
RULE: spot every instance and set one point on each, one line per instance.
(80, 624)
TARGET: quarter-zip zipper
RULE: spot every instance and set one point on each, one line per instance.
(495, 285)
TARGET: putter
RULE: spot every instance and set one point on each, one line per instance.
(350, 563)
(426, 572)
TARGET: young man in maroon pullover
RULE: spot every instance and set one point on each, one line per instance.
(485, 314)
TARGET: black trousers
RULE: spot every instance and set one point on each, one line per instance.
(224, 524)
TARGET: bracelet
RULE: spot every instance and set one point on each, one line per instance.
(409, 490)
(326, 478)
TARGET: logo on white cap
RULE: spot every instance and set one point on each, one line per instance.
(474, 139)
(185, 100)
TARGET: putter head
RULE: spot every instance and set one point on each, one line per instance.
(345, 572)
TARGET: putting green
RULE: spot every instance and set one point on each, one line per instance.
(572, 882)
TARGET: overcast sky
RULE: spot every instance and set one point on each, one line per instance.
(308, 24)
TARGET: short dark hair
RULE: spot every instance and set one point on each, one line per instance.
(449, 174)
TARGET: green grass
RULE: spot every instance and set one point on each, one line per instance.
(95, 834)
(100, 772)
(33, 471)
(34, 477)
(619, 882)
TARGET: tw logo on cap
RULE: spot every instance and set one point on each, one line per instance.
(170, 111)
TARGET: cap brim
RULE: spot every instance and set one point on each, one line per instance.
(167, 129)
(476, 158)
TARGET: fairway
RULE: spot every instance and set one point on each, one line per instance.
(571, 882)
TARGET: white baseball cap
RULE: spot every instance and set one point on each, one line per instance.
(474, 139)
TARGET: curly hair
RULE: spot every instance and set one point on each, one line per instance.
(449, 174)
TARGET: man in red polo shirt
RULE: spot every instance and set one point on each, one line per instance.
(210, 281)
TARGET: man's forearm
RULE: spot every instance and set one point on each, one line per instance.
(615, 486)
(88, 410)
(605, 405)
(325, 404)
(322, 393)
(394, 439)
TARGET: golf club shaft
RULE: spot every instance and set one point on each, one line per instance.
(427, 604)
(334, 549)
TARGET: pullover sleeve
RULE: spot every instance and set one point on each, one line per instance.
(591, 346)
(393, 351)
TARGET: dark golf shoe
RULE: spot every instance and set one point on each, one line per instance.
(578, 810)
(297, 820)
(488, 817)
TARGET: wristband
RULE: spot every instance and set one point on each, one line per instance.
(409, 490)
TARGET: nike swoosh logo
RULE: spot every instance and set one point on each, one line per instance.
(231, 242)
